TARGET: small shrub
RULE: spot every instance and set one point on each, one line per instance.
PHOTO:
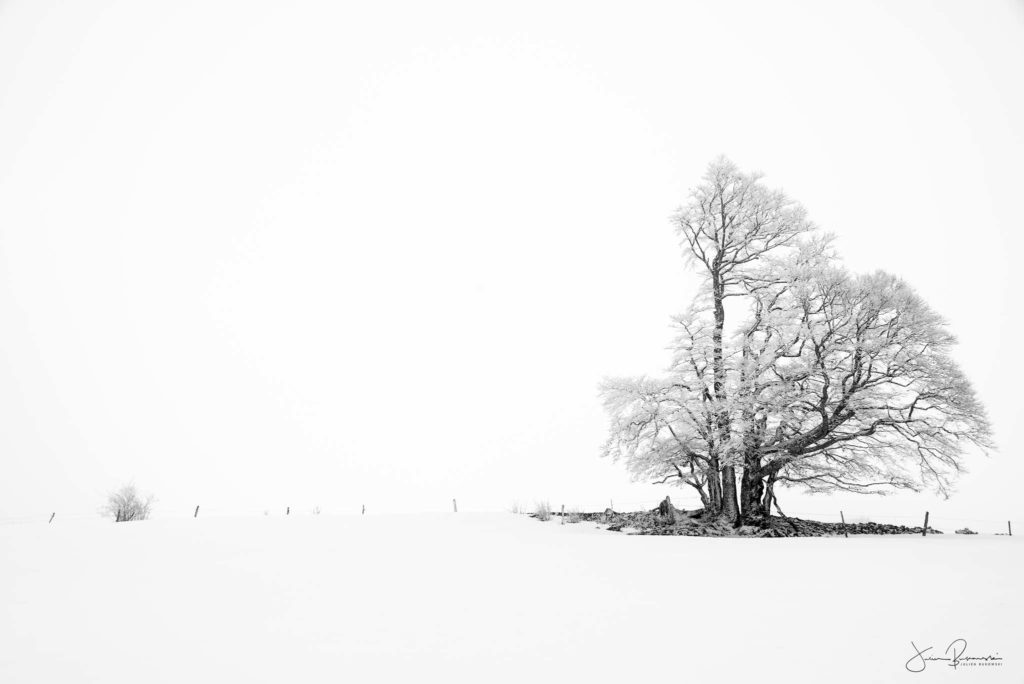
(573, 515)
(542, 510)
(316, 510)
(127, 504)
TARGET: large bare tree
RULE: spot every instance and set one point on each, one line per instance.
(817, 377)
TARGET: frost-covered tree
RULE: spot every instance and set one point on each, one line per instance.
(816, 377)
(127, 504)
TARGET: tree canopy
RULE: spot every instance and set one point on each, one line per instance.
(788, 369)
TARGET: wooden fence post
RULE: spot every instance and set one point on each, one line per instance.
(563, 514)
(1009, 528)
(924, 531)
(51, 517)
(843, 518)
(364, 509)
(288, 510)
(196, 514)
(455, 506)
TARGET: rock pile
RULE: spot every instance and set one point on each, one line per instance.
(668, 520)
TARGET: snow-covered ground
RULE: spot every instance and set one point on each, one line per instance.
(491, 598)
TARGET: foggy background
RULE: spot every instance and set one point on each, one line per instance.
(257, 255)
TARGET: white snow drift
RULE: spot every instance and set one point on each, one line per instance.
(490, 598)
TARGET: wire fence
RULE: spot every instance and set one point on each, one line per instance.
(907, 518)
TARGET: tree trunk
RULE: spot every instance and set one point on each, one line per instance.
(752, 481)
(769, 494)
(713, 505)
(730, 508)
(752, 494)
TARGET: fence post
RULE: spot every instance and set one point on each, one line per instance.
(288, 510)
(51, 517)
(1009, 528)
(563, 514)
(843, 518)
(924, 530)
(455, 506)
(364, 509)
(196, 514)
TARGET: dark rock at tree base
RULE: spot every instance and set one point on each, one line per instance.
(667, 511)
(666, 520)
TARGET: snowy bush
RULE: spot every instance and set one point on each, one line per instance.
(126, 504)
(542, 510)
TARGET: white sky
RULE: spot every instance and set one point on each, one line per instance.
(265, 254)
